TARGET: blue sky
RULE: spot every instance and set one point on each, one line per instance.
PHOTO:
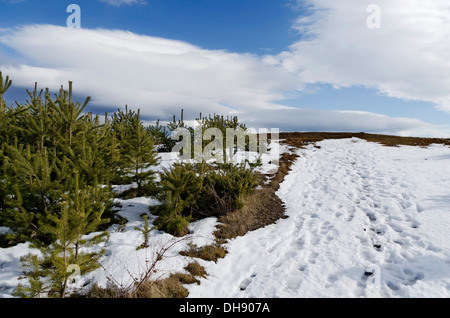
(242, 26)
(311, 55)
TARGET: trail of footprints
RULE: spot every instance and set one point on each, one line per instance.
(381, 220)
(400, 223)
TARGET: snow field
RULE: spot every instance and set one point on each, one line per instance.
(364, 221)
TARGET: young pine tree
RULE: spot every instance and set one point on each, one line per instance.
(137, 148)
(38, 120)
(68, 114)
(35, 190)
(145, 232)
(143, 154)
(180, 188)
(48, 274)
(4, 85)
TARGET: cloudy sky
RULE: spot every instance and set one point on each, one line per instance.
(296, 65)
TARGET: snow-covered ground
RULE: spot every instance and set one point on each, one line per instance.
(364, 221)
(356, 209)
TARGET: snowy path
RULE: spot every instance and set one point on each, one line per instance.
(354, 208)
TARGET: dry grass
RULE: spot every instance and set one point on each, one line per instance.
(207, 253)
(100, 292)
(170, 287)
(261, 208)
(195, 269)
(297, 139)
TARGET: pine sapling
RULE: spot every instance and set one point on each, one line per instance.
(4, 85)
(146, 232)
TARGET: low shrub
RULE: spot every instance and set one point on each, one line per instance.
(225, 189)
(173, 223)
(192, 191)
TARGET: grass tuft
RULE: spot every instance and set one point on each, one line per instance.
(207, 253)
(195, 269)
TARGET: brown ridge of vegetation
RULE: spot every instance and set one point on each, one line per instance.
(299, 139)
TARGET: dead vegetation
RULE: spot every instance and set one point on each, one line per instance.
(300, 139)
(195, 269)
(171, 287)
(207, 253)
(262, 208)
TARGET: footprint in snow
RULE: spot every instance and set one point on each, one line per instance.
(419, 208)
(331, 280)
(246, 282)
(312, 257)
(315, 240)
(377, 231)
(325, 227)
(405, 196)
(412, 277)
(415, 224)
(392, 286)
(406, 205)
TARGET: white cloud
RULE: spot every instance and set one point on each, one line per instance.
(158, 75)
(408, 57)
(118, 3)
(304, 120)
